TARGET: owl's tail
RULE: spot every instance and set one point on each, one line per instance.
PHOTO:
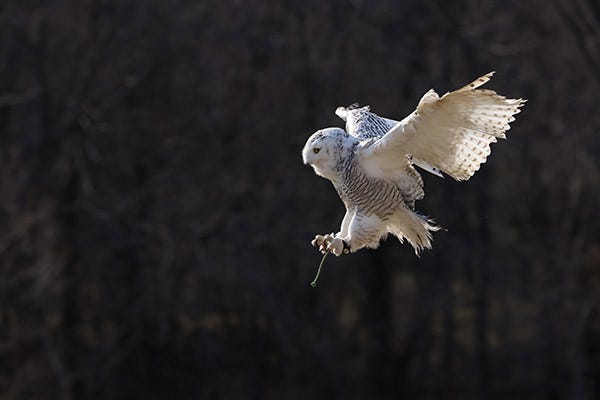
(414, 227)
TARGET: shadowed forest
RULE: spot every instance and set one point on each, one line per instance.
(156, 218)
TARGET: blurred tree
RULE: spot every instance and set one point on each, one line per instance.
(155, 215)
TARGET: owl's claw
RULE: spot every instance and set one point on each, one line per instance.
(336, 246)
(322, 242)
(329, 242)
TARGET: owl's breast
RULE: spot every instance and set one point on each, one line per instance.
(369, 194)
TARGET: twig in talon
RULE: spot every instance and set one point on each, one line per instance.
(314, 282)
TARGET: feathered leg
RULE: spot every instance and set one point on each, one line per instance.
(322, 241)
(363, 231)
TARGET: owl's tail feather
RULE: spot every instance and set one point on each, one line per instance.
(414, 227)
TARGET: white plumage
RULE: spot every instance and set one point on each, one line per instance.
(371, 162)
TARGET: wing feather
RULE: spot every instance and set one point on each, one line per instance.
(452, 133)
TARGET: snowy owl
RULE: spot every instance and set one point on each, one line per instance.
(371, 163)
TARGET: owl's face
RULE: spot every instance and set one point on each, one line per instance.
(324, 149)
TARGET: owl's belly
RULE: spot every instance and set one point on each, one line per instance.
(372, 195)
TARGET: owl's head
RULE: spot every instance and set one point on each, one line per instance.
(325, 149)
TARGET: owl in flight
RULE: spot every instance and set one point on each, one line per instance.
(372, 163)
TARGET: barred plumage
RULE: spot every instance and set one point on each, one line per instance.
(364, 124)
(371, 195)
(371, 164)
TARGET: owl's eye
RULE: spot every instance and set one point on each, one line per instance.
(316, 150)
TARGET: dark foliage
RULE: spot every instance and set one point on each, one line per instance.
(155, 215)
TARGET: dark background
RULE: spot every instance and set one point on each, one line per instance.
(155, 215)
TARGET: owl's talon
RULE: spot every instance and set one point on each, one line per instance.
(322, 241)
(318, 241)
(337, 247)
(330, 243)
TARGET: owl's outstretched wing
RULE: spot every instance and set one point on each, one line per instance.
(452, 133)
(362, 123)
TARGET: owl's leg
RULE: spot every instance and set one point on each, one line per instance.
(363, 231)
(335, 243)
(345, 224)
(323, 241)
